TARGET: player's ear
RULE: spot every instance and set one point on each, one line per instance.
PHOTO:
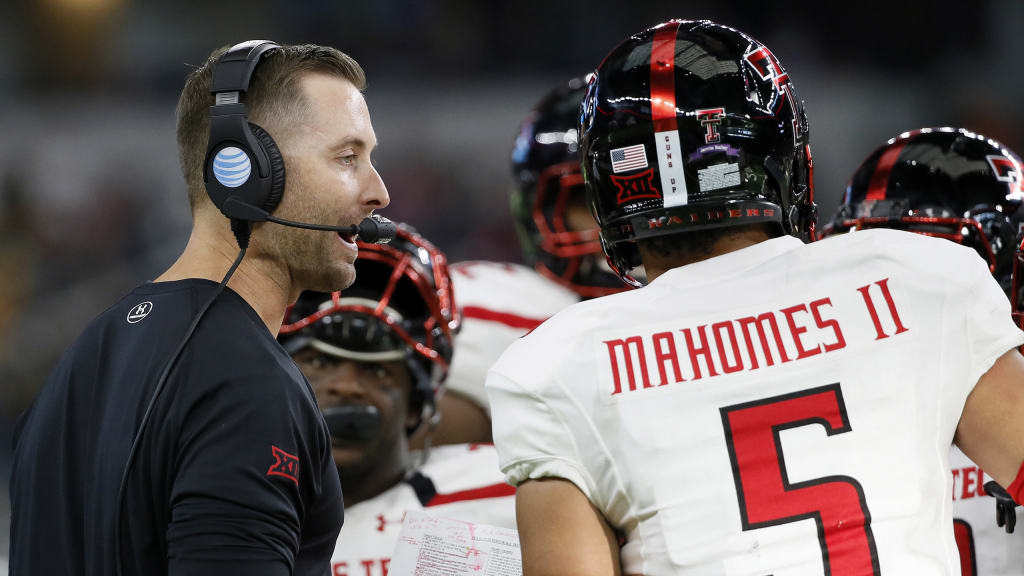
(414, 415)
(412, 418)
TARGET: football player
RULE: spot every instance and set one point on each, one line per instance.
(501, 301)
(376, 356)
(959, 185)
(762, 405)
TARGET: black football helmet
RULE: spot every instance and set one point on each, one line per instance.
(946, 182)
(400, 306)
(548, 180)
(692, 125)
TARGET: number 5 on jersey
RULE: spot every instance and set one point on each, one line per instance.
(768, 498)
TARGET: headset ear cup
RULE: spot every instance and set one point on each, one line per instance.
(276, 168)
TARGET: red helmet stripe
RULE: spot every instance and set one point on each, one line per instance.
(880, 179)
(663, 78)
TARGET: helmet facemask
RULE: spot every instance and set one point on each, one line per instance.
(400, 308)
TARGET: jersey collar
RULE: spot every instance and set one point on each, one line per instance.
(731, 263)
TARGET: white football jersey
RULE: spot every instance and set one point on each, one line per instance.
(784, 409)
(500, 302)
(458, 481)
(985, 548)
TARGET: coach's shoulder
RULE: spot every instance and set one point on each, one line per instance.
(255, 376)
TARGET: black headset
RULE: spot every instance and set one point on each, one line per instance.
(243, 167)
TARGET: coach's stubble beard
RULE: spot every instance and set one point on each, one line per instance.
(315, 259)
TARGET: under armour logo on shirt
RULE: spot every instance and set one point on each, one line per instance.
(285, 465)
(139, 311)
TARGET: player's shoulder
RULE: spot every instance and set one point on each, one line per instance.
(908, 250)
(885, 237)
(482, 272)
(396, 499)
(454, 455)
(562, 336)
(461, 467)
(507, 287)
(587, 315)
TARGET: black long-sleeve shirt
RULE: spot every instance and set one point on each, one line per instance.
(233, 474)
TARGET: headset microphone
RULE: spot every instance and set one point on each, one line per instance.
(375, 229)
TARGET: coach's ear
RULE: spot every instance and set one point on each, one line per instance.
(991, 431)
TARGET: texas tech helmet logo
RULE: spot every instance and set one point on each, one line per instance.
(1007, 170)
(710, 118)
(768, 69)
(636, 187)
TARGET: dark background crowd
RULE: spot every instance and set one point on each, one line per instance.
(92, 201)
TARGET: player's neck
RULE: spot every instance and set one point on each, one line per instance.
(656, 264)
(260, 280)
(359, 487)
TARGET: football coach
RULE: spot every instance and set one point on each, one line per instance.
(175, 436)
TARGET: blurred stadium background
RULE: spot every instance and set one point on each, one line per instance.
(92, 201)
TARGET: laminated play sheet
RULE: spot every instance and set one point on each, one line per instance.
(430, 546)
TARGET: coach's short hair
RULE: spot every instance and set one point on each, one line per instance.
(274, 98)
